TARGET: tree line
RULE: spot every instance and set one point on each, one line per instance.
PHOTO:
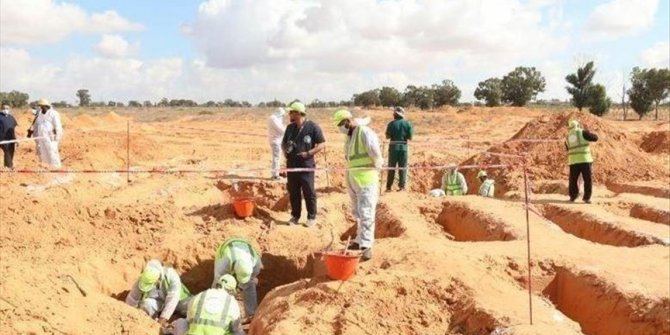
(649, 87)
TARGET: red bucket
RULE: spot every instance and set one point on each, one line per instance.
(339, 265)
(244, 207)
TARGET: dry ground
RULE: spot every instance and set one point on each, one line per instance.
(71, 244)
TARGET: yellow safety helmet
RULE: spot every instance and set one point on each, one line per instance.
(227, 282)
(341, 115)
(482, 173)
(573, 124)
(296, 106)
(150, 276)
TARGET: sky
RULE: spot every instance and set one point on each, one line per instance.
(262, 50)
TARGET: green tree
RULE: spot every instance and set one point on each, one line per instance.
(598, 102)
(367, 99)
(111, 104)
(421, 96)
(84, 97)
(163, 103)
(640, 95)
(134, 103)
(445, 93)
(658, 81)
(522, 85)
(15, 98)
(581, 85)
(489, 90)
(147, 103)
(389, 96)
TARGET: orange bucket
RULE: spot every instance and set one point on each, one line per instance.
(244, 207)
(341, 266)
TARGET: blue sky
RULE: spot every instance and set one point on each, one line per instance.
(265, 49)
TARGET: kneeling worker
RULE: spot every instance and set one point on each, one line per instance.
(214, 311)
(238, 258)
(487, 188)
(453, 182)
(159, 292)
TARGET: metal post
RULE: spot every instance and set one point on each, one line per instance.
(530, 285)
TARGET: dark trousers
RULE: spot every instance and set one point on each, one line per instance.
(583, 169)
(299, 185)
(397, 158)
(8, 150)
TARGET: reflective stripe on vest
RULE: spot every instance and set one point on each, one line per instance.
(206, 322)
(453, 185)
(165, 283)
(358, 157)
(579, 149)
(357, 153)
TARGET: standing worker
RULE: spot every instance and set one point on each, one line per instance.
(302, 140)
(399, 131)
(275, 136)
(7, 133)
(48, 126)
(236, 257)
(580, 159)
(487, 188)
(453, 182)
(212, 312)
(159, 292)
(364, 159)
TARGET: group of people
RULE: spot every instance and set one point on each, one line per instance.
(160, 293)
(46, 129)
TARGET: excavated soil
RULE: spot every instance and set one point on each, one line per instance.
(72, 244)
(656, 142)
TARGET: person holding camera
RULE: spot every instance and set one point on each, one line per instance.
(302, 140)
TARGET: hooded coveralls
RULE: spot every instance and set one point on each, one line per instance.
(230, 252)
(362, 151)
(48, 125)
(169, 295)
(275, 135)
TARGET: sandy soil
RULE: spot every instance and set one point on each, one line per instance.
(71, 244)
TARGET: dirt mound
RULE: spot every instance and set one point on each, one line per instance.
(84, 120)
(656, 142)
(112, 118)
(616, 157)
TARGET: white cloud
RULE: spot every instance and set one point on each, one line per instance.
(368, 35)
(618, 18)
(47, 21)
(657, 56)
(119, 79)
(115, 46)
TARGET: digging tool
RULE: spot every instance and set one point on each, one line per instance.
(345, 251)
(81, 290)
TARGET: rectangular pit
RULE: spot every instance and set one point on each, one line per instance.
(601, 309)
(611, 231)
(467, 224)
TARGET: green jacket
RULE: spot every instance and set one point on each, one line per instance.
(399, 130)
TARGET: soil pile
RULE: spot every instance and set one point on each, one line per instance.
(656, 142)
(616, 157)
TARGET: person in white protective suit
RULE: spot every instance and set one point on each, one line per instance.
(364, 159)
(275, 135)
(48, 130)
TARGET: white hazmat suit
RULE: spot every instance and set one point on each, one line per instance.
(49, 127)
(275, 134)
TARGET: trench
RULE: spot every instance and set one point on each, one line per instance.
(659, 192)
(387, 225)
(650, 214)
(601, 309)
(467, 224)
(587, 227)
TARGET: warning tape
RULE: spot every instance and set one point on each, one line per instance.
(229, 171)
(26, 139)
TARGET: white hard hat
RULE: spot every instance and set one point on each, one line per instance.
(437, 193)
(43, 102)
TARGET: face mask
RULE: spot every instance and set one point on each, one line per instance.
(344, 129)
(5, 111)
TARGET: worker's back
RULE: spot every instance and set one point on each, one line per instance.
(399, 130)
(213, 312)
